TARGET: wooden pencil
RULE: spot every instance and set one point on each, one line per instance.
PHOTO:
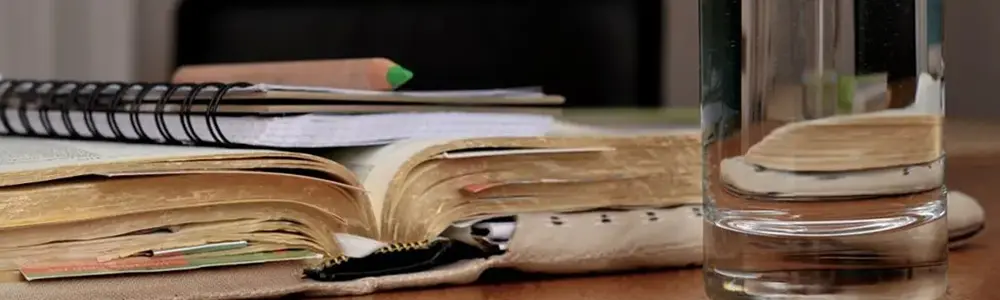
(378, 74)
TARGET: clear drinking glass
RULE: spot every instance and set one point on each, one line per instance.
(823, 161)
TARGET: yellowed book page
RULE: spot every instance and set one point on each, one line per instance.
(20, 154)
(375, 166)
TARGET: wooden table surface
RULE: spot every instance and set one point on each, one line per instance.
(973, 167)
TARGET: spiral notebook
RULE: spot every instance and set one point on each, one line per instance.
(262, 114)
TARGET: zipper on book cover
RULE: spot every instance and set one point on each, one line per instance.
(399, 258)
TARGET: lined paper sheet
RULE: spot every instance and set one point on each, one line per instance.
(303, 131)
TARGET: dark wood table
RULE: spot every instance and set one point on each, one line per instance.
(973, 167)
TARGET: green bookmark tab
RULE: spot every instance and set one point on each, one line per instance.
(397, 76)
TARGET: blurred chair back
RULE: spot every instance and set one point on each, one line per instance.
(594, 52)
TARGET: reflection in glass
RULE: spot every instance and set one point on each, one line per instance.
(822, 149)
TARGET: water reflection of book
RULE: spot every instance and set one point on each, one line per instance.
(852, 142)
(886, 138)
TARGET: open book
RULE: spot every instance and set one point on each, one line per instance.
(77, 208)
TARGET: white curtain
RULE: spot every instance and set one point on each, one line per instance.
(85, 39)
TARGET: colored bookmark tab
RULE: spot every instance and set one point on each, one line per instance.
(153, 264)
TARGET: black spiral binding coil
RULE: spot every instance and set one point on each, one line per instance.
(111, 98)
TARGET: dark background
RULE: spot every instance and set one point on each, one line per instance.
(972, 45)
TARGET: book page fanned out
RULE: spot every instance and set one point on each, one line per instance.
(420, 187)
(376, 166)
(102, 203)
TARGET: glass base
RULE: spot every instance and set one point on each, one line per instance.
(920, 283)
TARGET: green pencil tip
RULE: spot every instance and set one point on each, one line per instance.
(397, 76)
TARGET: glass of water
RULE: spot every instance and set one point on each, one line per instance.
(823, 160)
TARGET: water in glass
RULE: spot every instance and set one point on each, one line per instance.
(823, 161)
